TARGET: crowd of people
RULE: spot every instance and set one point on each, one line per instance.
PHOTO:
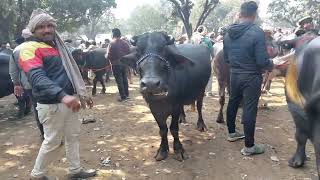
(44, 72)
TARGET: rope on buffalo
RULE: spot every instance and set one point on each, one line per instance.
(99, 69)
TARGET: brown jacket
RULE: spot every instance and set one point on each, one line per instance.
(117, 49)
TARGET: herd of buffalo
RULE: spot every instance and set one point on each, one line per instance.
(172, 76)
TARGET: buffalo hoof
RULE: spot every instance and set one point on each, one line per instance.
(201, 127)
(180, 155)
(297, 161)
(102, 92)
(161, 155)
(220, 119)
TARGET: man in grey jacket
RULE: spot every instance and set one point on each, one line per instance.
(22, 87)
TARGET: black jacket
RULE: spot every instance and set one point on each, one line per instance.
(245, 49)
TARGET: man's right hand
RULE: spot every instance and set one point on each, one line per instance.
(18, 90)
(71, 102)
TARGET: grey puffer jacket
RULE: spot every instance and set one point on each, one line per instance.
(18, 77)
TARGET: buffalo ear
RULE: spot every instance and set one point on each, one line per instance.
(170, 40)
(130, 59)
(178, 56)
(134, 40)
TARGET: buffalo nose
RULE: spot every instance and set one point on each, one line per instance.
(150, 83)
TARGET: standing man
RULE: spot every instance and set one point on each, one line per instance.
(55, 81)
(117, 49)
(22, 88)
(106, 43)
(246, 53)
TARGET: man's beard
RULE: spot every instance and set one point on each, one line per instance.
(48, 37)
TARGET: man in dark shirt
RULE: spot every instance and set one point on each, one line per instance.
(117, 49)
(246, 53)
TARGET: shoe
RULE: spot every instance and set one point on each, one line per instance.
(235, 136)
(83, 174)
(256, 149)
(121, 99)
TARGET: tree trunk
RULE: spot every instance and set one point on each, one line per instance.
(4, 31)
(20, 23)
(188, 28)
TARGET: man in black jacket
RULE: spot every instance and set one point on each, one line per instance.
(245, 51)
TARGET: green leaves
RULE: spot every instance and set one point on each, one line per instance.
(288, 12)
(71, 14)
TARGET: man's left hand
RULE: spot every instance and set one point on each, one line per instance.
(18, 90)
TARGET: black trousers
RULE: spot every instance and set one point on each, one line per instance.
(23, 103)
(246, 88)
(35, 111)
(120, 74)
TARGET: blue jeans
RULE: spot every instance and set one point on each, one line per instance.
(246, 88)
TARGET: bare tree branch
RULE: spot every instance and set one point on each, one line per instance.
(208, 7)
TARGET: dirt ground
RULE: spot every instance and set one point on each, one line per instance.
(127, 135)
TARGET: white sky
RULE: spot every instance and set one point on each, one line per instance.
(125, 7)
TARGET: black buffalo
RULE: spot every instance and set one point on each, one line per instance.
(303, 97)
(6, 85)
(93, 60)
(170, 77)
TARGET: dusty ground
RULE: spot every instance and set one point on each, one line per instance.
(127, 134)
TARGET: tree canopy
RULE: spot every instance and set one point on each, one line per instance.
(288, 12)
(148, 17)
(71, 14)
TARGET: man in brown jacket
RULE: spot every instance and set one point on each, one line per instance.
(117, 49)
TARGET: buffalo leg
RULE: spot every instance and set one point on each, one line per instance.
(179, 152)
(316, 142)
(220, 118)
(182, 117)
(299, 157)
(164, 147)
(222, 73)
(94, 88)
(200, 124)
(99, 76)
(86, 76)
